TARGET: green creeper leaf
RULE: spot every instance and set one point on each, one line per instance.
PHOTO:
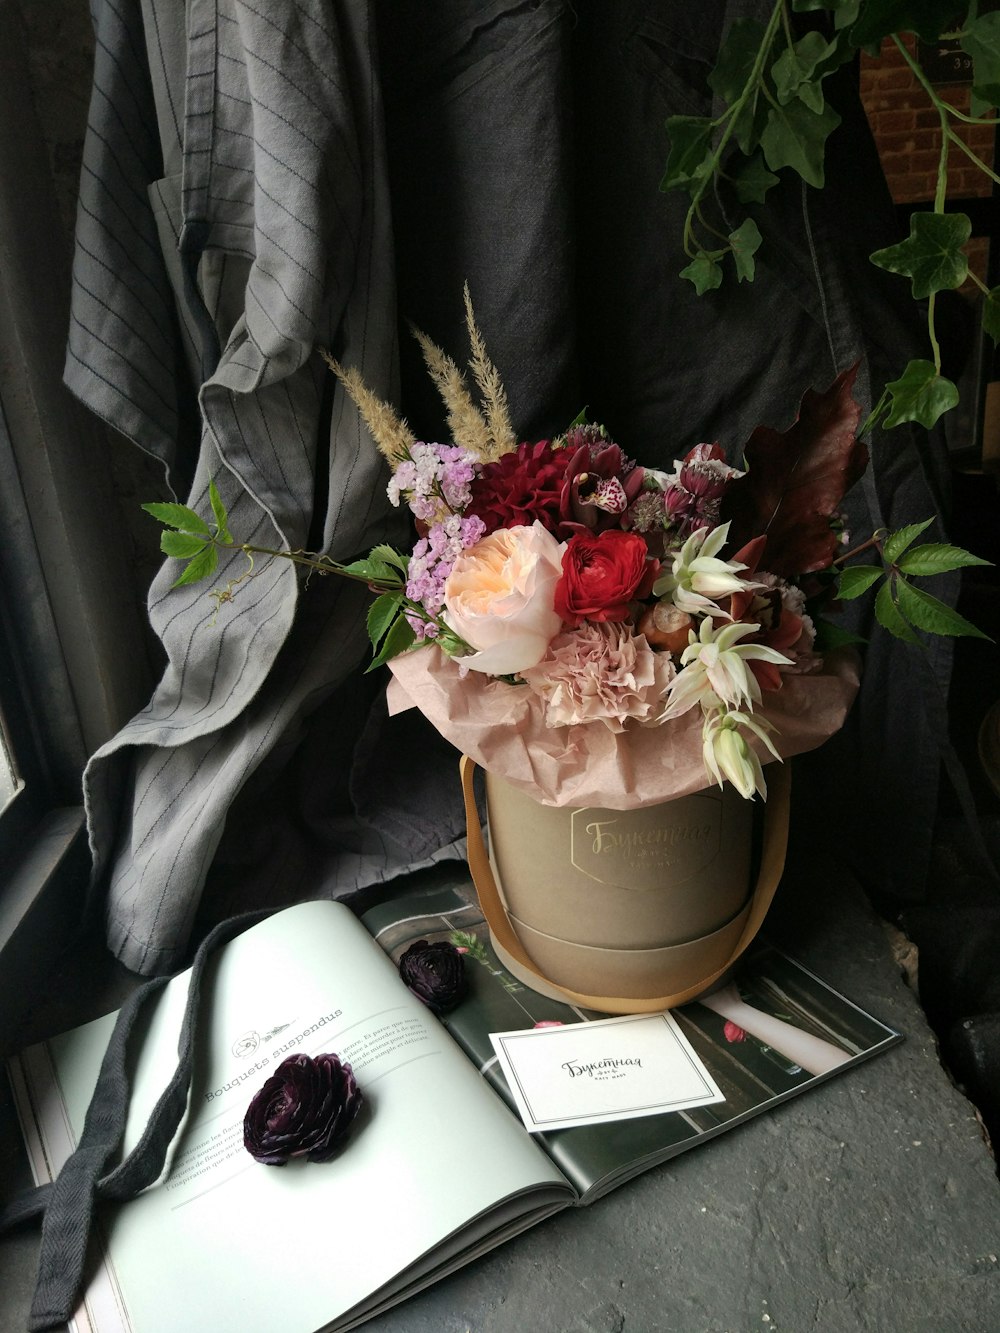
(932, 615)
(381, 614)
(390, 556)
(931, 256)
(897, 542)
(690, 157)
(199, 567)
(921, 395)
(796, 137)
(704, 272)
(830, 636)
(752, 180)
(938, 558)
(888, 616)
(745, 241)
(181, 545)
(374, 570)
(981, 41)
(177, 516)
(991, 314)
(399, 638)
(219, 512)
(795, 70)
(857, 579)
(878, 18)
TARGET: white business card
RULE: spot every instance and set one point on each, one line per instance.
(613, 1069)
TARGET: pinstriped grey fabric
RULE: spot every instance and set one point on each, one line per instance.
(273, 237)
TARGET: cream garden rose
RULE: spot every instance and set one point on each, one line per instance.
(499, 598)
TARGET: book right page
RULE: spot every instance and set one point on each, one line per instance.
(772, 1032)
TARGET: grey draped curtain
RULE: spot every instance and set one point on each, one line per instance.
(263, 178)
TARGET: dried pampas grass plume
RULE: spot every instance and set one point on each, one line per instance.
(490, 385)
(467, 424)
(390, 432)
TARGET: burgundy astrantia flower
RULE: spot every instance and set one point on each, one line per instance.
(435, 973)
(519, 487)
(305, 1109)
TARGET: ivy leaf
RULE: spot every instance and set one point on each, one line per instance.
(796, 478)
(938, 558)
(927, 18)
(931, 256)
(736, 59)
(729, 78)
(932, 615)
(752, 180)
(888, 616)
(199, 567)
(219, 512)
(844, 11)
(745, 240)
(857, 579)
(690, 157)
(981, 41)
(704, 272)
(898, 542)
(795, 70)
(991, 314)
(920, 394)
(399, 638)
(181, 545)
(177, 516)
(795, 137)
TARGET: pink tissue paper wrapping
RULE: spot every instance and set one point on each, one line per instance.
(500, 727)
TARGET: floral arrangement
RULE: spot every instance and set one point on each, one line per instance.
(574, 593)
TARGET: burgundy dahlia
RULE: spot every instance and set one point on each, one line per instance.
(305, 1109)
(520, 487)
(435, 973)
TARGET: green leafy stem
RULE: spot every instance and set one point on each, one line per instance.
(900, 606)
(770, 82)
(191, 538)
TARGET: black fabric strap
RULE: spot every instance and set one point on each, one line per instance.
(67, 1205)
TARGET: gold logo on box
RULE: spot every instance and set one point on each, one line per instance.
(631, 849)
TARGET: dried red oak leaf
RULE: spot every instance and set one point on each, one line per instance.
(796, 479)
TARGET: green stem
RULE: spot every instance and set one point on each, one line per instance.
(750, 89)
(932, 332)
(972, 156)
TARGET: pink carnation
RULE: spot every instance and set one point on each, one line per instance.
(600, 673)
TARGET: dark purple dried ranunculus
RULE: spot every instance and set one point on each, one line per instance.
(435, 973)
(305, 1109)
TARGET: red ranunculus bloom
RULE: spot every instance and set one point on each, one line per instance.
(602, 573)
(522, 486)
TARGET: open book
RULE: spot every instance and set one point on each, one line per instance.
(438, 1168)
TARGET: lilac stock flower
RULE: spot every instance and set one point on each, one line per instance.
(435, 973)
(435, 480)
(431, 563)
(305, 1109)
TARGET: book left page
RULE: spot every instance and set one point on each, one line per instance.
(225, 1243)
